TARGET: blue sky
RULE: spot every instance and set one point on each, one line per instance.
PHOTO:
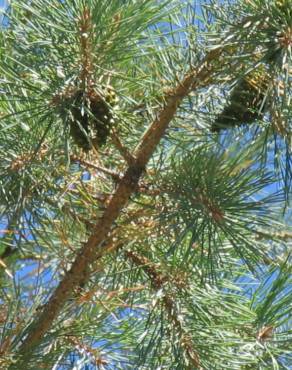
(3, 3)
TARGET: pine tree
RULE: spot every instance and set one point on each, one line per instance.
(145, 156)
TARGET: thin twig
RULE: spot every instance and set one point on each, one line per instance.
(125, 153)
(159, 280)
(115, 175)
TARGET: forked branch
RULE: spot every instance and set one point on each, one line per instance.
(93, 248)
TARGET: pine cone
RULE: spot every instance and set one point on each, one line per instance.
(246, 102)
(79, 122)
(90, 117)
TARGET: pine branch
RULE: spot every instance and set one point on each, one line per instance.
(94, 354)
(158, 280)
(92, 249)
(284, 235)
